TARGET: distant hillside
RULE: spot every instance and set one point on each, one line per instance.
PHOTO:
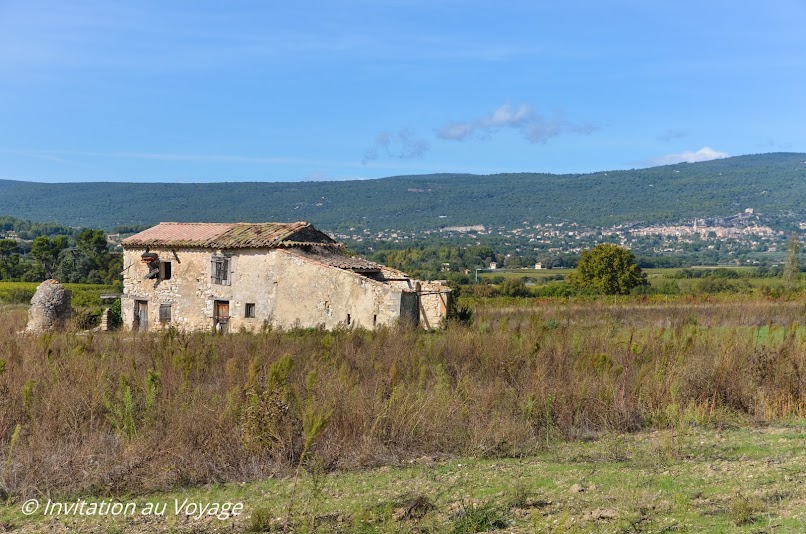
(773, 184)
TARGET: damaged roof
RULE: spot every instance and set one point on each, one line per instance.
(229, 235)
(334, 258)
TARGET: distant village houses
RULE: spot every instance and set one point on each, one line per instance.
(233, 276)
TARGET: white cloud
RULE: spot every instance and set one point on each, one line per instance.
(533, 126)
(456, 131)
(505, 116)
(706, 153)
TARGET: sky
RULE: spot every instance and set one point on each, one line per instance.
(208, 91)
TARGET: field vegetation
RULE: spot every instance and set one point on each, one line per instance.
(687, 283)
(122, 414)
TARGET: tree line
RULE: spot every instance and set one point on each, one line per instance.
(81, 256)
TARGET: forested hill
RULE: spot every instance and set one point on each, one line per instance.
(773, 184)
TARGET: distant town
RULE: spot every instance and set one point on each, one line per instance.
(741, 239)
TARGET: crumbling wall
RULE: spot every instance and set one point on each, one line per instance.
(434, 303)
(306, 294)
(286, 290)
(50, 307)
(187, 291)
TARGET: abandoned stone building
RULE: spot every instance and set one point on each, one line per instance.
(233, 276)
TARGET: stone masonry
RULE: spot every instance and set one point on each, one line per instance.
(50, 307)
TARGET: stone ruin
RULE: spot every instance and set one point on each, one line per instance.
(50, 307)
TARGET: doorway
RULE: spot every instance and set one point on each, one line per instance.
(140, 315)
(221, 316)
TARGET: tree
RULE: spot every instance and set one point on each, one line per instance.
(93, 244)
(46, 253)
(607, 269)
(9, 259)
(792, 263)
(74, 266)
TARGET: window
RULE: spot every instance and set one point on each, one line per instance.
(220, 270)
(349, 319)
(249, 312)
(165, 270)
(165, 313)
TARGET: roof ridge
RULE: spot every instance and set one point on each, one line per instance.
(194, 223)
(228, 235)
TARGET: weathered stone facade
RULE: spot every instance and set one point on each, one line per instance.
(50, 307)
(282, 286)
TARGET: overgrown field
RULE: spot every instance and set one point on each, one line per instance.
(120, 414)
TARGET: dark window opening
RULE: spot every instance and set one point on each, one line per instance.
(165, 270)
(348, 319)
(374, 320)
(249, 311)
(220, 270)
(165, 313)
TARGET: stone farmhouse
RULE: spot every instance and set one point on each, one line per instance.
(233, 276)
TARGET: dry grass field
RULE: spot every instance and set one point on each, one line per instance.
(658, 411)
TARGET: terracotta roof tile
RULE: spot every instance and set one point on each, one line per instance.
(228, 235)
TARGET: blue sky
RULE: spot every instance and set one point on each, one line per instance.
(203, 91)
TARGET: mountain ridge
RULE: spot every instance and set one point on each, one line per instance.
(773, 184)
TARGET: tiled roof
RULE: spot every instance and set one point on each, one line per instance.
(333, 258)
(228, 235)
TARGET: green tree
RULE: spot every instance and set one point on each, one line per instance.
(9, 259)
(607, 269)
(46, 252)
(74, 266)
(792, 263)
(93, 244)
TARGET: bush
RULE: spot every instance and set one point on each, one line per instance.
(514, 288)
(86, 318)
(556, 290)
(715, 285)
(115, 316)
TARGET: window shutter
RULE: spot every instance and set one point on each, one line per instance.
(165, 313)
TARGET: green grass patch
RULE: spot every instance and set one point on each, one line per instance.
(683, 480)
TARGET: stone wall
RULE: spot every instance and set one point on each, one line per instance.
(285, 289)
(434, 304)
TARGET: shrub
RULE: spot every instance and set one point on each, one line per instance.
(479, 518)
(715, 285)
(514, 287)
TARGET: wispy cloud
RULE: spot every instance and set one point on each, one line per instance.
(402, 144)
(533, 126)
(706, 153)
(671, 135)
(64, 155)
